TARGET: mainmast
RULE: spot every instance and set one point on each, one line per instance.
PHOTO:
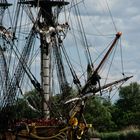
(47, 28)
(47, 22)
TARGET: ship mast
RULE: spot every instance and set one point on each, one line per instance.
(47, 27)
(46, 13)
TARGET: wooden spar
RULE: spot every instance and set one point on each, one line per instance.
(93, 92)
(45, 2)
(5, 4)
(108, 52)
(95, 77)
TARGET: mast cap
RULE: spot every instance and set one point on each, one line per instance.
(119, 34)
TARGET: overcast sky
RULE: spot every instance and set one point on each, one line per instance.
(126, 17)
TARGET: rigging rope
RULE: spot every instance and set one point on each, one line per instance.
(122, 58)
(94, 25)
(73, 34)
(110, 63)
(75, 78)
(60, 68)
(111, 15)
(19, 69)
(83, 36)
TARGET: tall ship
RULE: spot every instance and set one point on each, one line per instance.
(46, 53)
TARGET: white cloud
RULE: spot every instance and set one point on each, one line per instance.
(126, 15)
(97, 21)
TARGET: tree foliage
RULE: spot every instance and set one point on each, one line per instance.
(109, 117)
(98, 112)
(104, 115)
(127, 108)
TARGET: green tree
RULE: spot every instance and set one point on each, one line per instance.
(25, 106)
(32, 100)
(127, 108)
(98, 112)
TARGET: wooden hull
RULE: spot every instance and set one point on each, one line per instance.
(43, 133)
(37, 133)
